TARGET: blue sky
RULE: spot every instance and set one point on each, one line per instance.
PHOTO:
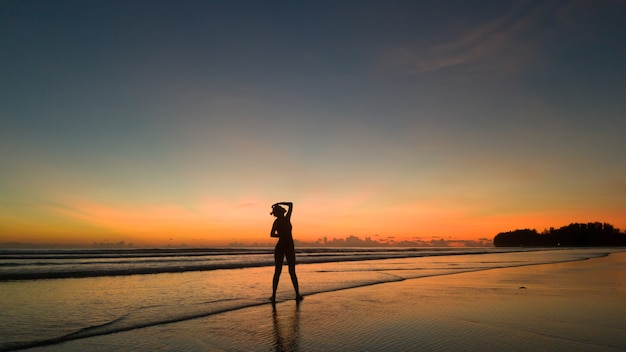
(409, 118)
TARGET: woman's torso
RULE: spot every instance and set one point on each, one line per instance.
(283, 228)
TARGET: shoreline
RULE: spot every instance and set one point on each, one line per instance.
(556, 307)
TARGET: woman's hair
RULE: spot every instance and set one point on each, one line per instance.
(276, 209)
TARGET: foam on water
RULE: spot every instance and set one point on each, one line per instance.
(61, 264)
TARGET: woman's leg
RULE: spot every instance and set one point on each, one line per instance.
(278, 268)
(291, 262)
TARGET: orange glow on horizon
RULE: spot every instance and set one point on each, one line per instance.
(214, 222)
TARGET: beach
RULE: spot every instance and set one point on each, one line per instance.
(576, 305)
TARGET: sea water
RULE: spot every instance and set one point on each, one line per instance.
(51, 296)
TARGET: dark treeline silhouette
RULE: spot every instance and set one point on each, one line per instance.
(593, 234)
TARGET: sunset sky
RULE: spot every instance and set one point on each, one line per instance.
(182, 122)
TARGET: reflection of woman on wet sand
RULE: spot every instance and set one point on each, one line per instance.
(286, 329)
(284, 247)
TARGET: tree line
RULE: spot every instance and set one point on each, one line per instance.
(593, 234)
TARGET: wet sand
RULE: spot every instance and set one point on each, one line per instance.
(550, 307)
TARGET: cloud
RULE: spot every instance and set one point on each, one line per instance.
(506, 43)
(157, 222)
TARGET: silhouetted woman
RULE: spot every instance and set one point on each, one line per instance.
(284, 247)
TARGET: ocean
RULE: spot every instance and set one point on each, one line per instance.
(51, 296)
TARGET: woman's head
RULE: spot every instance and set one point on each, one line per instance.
(278, 211)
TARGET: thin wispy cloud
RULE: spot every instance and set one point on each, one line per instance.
(506, 43)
